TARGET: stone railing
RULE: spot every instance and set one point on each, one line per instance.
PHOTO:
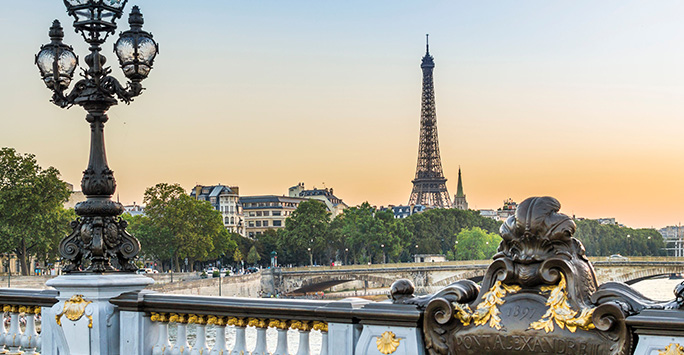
(344, 327)
(23, 307)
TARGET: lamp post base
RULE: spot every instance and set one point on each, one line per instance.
(83, 317)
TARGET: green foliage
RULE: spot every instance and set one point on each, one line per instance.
(216, 273)
(435, 231)
(307, 227)
(32, 216)
(602, 240)
(177, 226)
(237, 255)
(476, 244)
(253, 256)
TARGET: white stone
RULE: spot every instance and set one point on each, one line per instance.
(97, 331)
(410, 340)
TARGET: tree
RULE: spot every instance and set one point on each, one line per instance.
(32, 216)
(476, 244)
(601, 240)
(307, 227)
(253, 256)
(179, 226)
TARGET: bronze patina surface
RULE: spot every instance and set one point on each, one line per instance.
(539, 296)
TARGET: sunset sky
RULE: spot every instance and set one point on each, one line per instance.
(581, 100)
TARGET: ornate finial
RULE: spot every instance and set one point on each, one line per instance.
(135, 19)
(56, 32)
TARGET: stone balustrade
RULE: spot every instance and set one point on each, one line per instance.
(22, 308)
(344, 327)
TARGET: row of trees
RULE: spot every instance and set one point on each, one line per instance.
(363, 234)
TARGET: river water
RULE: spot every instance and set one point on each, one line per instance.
(657, 289)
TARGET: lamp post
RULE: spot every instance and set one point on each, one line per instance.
(346, 252)
(99, 234)
(383, 252)
(310, 257)
(455, 249)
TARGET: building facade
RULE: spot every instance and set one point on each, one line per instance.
(225, 200)
(334, 204)
(266, 212)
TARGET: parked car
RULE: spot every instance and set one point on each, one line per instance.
(250, 270)
(617, 257)
(226, 271)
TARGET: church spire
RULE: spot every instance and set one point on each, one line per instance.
(459, 189)
(460, 198)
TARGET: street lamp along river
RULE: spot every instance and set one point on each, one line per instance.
(99, 235)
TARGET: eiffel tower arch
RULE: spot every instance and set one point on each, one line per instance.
(429, 185)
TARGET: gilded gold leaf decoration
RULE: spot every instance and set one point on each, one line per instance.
(216, 320)
(301, 325)
(560, 313)
(74, 309)
(257, 322)
(279, 324)
(321, 326)
(487, 310)
(387, 343)
(237, 322)
(672, 349)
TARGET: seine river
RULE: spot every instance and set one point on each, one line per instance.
(657, 289)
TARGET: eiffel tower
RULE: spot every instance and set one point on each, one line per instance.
(429, 186)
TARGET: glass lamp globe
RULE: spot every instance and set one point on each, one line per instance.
(136, 49)
(56, 60)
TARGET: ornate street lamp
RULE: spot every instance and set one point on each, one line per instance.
(99, 236)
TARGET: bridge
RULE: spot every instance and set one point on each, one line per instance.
(429, 277)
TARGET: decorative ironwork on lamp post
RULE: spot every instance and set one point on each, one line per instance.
(99, 235)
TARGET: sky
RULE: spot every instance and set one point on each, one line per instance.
(581, 100)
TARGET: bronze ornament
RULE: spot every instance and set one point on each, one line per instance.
(539, 296)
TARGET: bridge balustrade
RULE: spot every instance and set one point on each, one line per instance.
(345, 327)
(21, 310)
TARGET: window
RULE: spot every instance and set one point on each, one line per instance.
(258, 223)
(252, 214)
(212, 199)
(258, 213)
(277, 223)
(265, 223)
(251, 223)
(232, 220)
(265, 213)
(226, 220)
(276, 213)
(251, 234)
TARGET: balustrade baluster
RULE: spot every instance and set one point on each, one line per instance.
(240, 347)
(30, 337)
(13, 338)
(163, 345)
(181, 346)
(323, 328)
(282, 326)
(200, 347)
(261, 325)
(220, 344)
(304, 329)
(3, 331)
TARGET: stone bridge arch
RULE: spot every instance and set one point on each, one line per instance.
(321, 282)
